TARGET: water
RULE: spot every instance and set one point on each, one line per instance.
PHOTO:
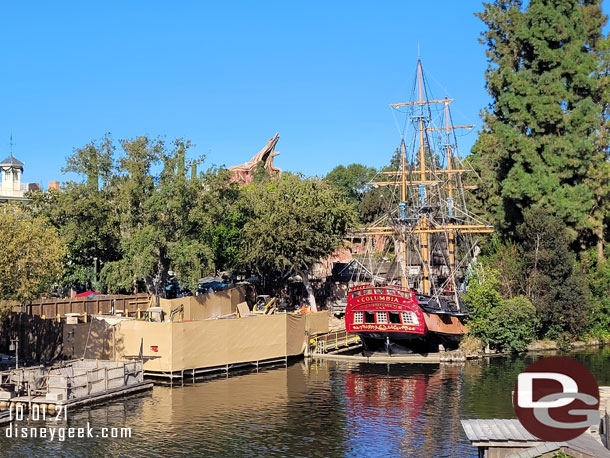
(307, 409)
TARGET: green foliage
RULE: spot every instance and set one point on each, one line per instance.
(155, 213)
(482, 298)
(351, 180)
(504, 324)
(293, 222)
(82, 214)
(540, 146)
(598, 277)
(149, 212)
(31, 255)
(512, 324)
(554, 280)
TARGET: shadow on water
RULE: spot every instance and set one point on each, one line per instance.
(319, 408)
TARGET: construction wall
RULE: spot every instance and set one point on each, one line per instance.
(204, 306)
(209, 343)
(88, 340)
(39, 340)
(316, 323)
(155, 339)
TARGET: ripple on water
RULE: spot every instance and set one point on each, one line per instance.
(318, 409)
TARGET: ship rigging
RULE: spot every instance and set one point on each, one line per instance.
(427, 226)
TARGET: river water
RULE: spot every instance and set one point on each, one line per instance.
(308, 409)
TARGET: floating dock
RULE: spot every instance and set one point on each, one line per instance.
(74, 383)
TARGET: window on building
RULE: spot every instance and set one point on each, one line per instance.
(378, 291)
(358, 317)
(394, 317)
(355, 293)
(382, 317)
(409, 318)
(369, 317)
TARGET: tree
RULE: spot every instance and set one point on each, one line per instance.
(598, 277)
(82, 214)
(293, 222)
(512, 325)
(555, 282)
(351, 180)
(31, 255)
(539, 146)
(158, 232)
(222, 217)
(482, 298)
(503, 324)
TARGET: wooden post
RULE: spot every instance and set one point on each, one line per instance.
(85, 317)
(105, 378)
(58, 318)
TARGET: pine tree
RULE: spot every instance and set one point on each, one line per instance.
(540, 146)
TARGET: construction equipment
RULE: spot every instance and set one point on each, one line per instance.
(264, 305)
(177, 310)
(154, 314)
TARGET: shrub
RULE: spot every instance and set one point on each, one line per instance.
(512, 324)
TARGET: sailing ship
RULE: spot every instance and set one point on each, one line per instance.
(428, 231)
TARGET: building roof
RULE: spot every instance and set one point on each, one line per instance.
(502, 431)
(12, 160)
(496, 430)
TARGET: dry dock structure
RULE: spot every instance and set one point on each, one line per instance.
(72, 384)
(194, 336)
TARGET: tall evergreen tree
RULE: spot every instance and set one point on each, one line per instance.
(540, 145)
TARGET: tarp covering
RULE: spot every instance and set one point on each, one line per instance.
(170, 347)
(316, 323)
(206, 306)
(88, 294)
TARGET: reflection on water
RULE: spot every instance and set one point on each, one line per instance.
(320, 408)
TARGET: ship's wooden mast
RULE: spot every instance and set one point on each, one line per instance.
(425, 228)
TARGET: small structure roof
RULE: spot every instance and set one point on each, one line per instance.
(496, 430)
(12, 161)
(492, 433)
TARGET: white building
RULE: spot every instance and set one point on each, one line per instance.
(11, 187)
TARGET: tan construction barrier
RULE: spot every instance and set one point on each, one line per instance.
(171, 347)
(209, 305)
(316, 323)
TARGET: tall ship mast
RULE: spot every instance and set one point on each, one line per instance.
(416, 306)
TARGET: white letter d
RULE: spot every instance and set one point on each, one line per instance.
(525, 395)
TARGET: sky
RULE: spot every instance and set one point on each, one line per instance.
(228, 75)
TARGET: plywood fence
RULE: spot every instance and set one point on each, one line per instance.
(97, 305)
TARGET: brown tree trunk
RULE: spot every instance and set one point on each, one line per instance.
(310, 295)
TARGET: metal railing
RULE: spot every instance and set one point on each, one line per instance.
(332, 341)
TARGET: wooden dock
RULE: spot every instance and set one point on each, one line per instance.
(431, 358)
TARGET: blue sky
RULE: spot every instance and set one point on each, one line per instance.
(228, 75)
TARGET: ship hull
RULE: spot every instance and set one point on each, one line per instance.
(405, 343)
(390, 320)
